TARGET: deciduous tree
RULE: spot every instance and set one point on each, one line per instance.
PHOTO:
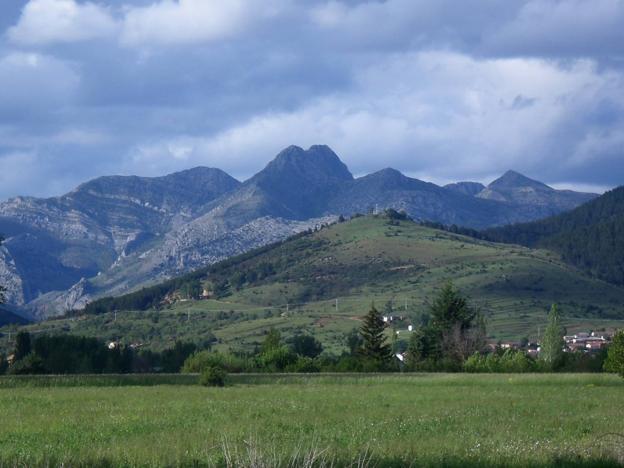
(551, 352)
(615, 356)
(306, 345)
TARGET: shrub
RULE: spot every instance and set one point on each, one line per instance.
(30, 364)
(204, 359)
(277, 359)
(509, 362)
(305, 364)
(615, 357)
(583, 362)
(213, 377)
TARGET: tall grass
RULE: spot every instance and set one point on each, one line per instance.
(320, 420)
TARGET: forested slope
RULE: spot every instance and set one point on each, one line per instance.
(590, 237)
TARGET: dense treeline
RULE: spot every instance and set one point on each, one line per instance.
(68, 354)
(589, 237)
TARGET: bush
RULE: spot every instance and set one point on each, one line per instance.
(213, 377)
(30, 364)
(305, 365)
(509, 362)
(583, 362)
(201, 360)
(277, 359)
(615, 357)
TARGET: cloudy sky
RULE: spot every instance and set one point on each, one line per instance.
(442, 90)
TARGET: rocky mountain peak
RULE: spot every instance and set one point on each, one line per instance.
(317, 164)
(513, 187)
(512, 179)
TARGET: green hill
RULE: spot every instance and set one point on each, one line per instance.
(589, 237)
(323, 282)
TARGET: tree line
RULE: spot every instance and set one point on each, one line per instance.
(451, 339)
(69, 354)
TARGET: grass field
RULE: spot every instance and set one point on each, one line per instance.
(391, 420)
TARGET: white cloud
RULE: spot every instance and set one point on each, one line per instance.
(192, 21)
(56, 21)
(439, 113)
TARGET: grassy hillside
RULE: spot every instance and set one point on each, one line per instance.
(589, 237)
(398, 265)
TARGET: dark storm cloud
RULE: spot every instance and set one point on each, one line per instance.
(443, 90)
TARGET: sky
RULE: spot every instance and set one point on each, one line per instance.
(442, 90)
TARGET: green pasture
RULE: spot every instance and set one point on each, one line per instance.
(272, 420)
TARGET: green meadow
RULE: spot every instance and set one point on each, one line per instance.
(322, 420)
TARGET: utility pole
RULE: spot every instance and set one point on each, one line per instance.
(115, 315)
(405, 305)
(188, 315)
(336, 304)
(287, 307)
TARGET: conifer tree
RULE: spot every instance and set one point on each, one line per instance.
(450, 309)
(374, 344)
(23, 345)
(551, 351)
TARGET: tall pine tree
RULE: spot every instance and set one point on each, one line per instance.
(374, 345)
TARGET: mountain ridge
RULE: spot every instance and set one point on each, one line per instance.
(116, 233)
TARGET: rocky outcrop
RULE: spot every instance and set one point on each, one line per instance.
(466, 188)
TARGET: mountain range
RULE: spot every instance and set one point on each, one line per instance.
(115, 234)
